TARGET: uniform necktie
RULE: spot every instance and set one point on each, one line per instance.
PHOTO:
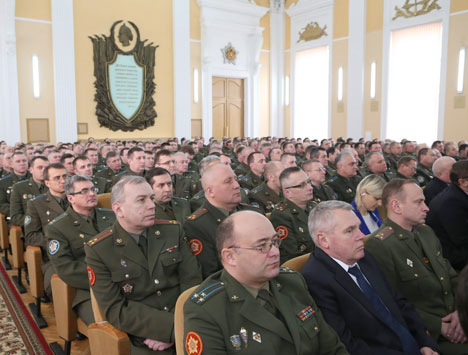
(269, 305)
(143, 244)
(409, 344)
(63, 203)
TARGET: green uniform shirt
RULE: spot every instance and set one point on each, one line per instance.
(345, 188)
(6, 185)
(21, 193)
(266, 197)
(324, 192)
(178, 209)
(250, 181)
(423, 175)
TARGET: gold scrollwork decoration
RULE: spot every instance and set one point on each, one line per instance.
(413, 8)
(312, 31)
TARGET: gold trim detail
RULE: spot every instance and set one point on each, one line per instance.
(413, 8)
(312, 31)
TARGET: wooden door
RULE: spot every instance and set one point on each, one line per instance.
(228, 107)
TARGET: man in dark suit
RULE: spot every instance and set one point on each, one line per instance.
(441, 180)
(355, 297)
(447, 216)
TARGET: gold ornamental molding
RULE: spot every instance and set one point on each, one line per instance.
(413, 8)
(312, 31)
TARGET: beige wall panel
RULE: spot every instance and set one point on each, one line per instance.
(456, 123)
(340, 59)
(374, 15)
(372, 108)
(195, 62)
(196, 127)
(35, 38)
(36, 9)
(287, 32)
(340, 19)
(195, 29)
(265, 23)
(154, 20)
(264, 95)
(458, 5)
(287, 109)
(288, 3)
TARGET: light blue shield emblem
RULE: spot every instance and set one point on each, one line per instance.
(126, 85)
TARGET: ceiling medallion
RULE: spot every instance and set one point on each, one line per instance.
(413, 8)
(312, 31)
(229, 54)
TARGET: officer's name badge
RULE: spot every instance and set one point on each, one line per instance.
(409, 262)
(306, 313)
(235, 341)
(257, 337)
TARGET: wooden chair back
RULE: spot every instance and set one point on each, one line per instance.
(4, 242)
(179, 319)
(17, 246)
(33, 257)
(297, 263)
(104, 200)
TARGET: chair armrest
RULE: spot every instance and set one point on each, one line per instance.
(33, 256)
(17, 246)
(4, 242)
(64, 316)
(106, 339)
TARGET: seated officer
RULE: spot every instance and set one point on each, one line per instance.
(317, 174)
(82, 166)
(268, 194)
(356, 299)
(222, 193)
(113, 166)
(26, 190)
(375, 164)
(426, 159)
(167, 206)
(43, 209)
(345, 182)
(138, 268)
(253, 306)
(410, 255)
(406, 168)
(290, 217)
(256, 162)
(67, 235)
(136, 164)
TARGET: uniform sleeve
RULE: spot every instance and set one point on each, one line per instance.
(33, 228)
(4, 200)
(130, 316)
(189, 269)
(283, 224)
(70, 270)
(16, 207)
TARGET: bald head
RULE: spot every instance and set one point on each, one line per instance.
(273, 168)
(441, 168)
(221, 187)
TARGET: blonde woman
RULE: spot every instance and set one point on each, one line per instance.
(368, 198)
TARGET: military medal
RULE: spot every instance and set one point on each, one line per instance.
(47, 212)
(244, 336)
(409, 262)
(306, 313)
(25, 196)
(426, 260)
(256, 336)
(302, 247)
(127, 288)
(235, 341)
(301, 229)
(123, 263)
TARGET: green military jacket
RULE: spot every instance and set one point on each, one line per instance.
(345, 188)
(6, 185)
(290, 222)
(330, 172)
(179, 210)
(66, 237)
(21, 193)
(222, 317)
(387, 175)
(266, 197)
(108, 173)
(324, 192)
(137, 293)
(241, 169)
(420, 274)
(423, 175)
(184, 186)
(200, 229)
(199, 199)
(250, 181)
(103, 185)
(40, 211)
(392, 161)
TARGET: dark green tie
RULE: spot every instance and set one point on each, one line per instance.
(269, 305)
(143, 244)
(63, 203)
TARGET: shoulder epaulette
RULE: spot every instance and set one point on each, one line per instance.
(58, 218)
(384, 233)
(121, 173)
(104, 209)
(200, 296)
(179, 198)
(100, 237)
(21, 182)
(166, 221)
(257, 189)
(282, 207)
(332, 179)
(245, 177)
(6, 177)
(287, 270)
(249, 204)
(38, 197)
(197, 214)
(198, 195)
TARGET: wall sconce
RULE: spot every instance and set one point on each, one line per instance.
(195, 85)
(373, 74)
(461, 70)
(340, 84)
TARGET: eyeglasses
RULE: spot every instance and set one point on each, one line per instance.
(85, 191)
(301, 185)
(264, 248)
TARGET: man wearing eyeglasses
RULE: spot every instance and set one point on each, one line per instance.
(290, 217)
(252, 305)
(406, 168)
(43, 209)
(67, 234)
(317, 174)
(346, 180)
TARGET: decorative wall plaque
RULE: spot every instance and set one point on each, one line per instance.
(229, 54)
(124, 71)
(413, 8)
(312, 31)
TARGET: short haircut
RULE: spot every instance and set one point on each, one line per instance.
(286, 173)
(342, 155)
(369, 157)
(69, 185)
(123, 151)
(373, 143)
(374, 186)
(441, 164)
(133, 150)
(285, 155)
(271, 151)
(160, 153)
(207, 161)
(422, 151)
(118, 194)
(87, 151)
(150, 175)
(187, 149)
(251, 157)
(394, 187)
(78, 158)
(404, 161)
(65, 157)
(459, 171)
(224, 234)
(321, 217)
(331, 151)
(111, 154)
(52, 166)
(462, 147)
(37, 157)
(435, 144)
(305, 165)
(17, 152)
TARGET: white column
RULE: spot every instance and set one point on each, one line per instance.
(64, 70)
(9, 101)
(182, 75)
(277, 33)
(356, 60)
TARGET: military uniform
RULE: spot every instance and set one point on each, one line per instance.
(108, 173)
(177, 209)
(241, 169)
(387, 175)
(414, 264)
(266, 197)
(393, 162)
(66, 237)
(329, 172)
(137, 293)
(324, 192)
(223, 317)
(290, 222)
(184, 187)
(345, 188)
(200, 229)
(199, 199)
(103, 185)
(6, 185)
(423, 175)
(250, 181)
(21, 193)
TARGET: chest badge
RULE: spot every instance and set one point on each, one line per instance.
(235, 341)
(127, 288)
(257, 337)
(123, 263)
(409, 262)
